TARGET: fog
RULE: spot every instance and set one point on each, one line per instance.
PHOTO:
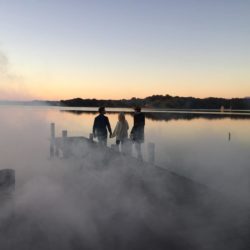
(93, 201)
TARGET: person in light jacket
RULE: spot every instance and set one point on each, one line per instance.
(121, 130)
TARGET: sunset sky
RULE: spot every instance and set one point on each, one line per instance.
(60, 49)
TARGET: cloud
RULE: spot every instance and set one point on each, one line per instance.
(12, 84)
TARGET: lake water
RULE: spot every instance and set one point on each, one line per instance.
(194, 144)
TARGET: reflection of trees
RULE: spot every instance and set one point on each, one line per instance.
(191, 116)
(80, 112)
(165, 116)
(91, 112)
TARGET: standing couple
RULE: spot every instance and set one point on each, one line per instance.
(101, 125)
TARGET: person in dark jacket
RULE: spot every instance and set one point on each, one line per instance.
(137, 132)
(100, 127)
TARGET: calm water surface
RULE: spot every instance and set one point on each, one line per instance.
(192, 143)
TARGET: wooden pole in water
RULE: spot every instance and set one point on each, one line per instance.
(151, 152)
(64, 134)
(52, 140)
(7, 183)
(64, 141)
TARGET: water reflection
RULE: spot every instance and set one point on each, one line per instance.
(168, 116)
(211, 147)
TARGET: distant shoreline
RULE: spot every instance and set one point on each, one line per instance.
(152, 102)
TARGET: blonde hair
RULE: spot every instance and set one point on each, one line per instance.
(121, 117)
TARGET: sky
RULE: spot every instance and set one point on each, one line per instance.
(114, 49)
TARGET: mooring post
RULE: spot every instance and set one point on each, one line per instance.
(52, 140)
(229, 136)
(64, 142)
(151, 152)
(64, 134)
(7, 183)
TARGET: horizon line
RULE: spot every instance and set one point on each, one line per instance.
(98, 99)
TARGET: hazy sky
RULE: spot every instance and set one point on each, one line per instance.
(59, 49)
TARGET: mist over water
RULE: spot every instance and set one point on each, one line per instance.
(94, 202)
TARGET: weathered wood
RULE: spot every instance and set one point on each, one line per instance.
(52, 140)
(64, 143)
(52, 130)
(64, 134)
(7, 184)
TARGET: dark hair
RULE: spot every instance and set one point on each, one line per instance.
(137, 108)
(101, 109)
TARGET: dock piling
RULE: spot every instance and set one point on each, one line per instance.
(64, 146)
(7, 183)
(52, 140)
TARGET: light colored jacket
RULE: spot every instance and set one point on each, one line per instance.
(121, 130)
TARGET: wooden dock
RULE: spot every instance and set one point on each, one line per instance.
(66, 146)
(77, 147)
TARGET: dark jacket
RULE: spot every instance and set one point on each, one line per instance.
(137, 131)
(101, 124)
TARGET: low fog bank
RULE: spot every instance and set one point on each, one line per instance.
(97, 202)
(102, 203)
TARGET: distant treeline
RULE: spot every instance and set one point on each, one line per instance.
(155, 101)
(163, 101)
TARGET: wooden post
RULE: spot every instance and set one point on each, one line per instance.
(229, 136)
(64, 141)
(151, 152)
(64, 134)
(7, 183)
(52, 140)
